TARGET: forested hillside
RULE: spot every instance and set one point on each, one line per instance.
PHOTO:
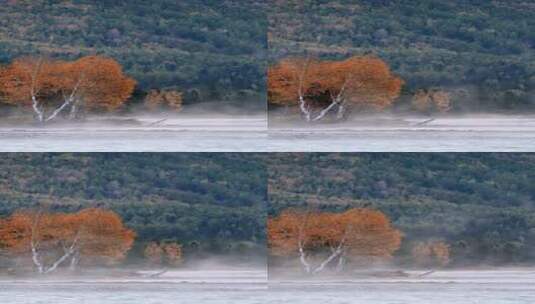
(208, 202)
(481, 204)
(482, 52)
(212, 50)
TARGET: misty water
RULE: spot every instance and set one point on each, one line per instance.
(470, 133)
(208, 133)
(442, 287)
(141, 134)
(250, 286)
(211, 287)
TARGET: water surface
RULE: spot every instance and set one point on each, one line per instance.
(513, 286)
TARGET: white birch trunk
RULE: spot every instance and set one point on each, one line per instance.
(35, 258)
(341, 264)
(333, 255)
(338, 100)
(341, 111)
(325, 111)
(74, 261)
(58, 262)
(66, 100)
(304, 262)
(36, 109)
(68, 253)
(74, 108)
(303, 107)
(58, 110)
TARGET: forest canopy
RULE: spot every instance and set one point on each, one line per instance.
(480, 206)
(481, 52)
(209, 203)
(212, 50)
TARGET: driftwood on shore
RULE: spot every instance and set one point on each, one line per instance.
(156, 122)
(393, 274)
(425, 273)
(157, 274)
(424, 122)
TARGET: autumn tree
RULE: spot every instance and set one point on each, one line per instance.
(51, 87)
(153, 252)
(53, 239)
(320, 239)
(173, 253)
(320, 87)
(158, 98)
(431, 253)
(431, 100)
(165, 253)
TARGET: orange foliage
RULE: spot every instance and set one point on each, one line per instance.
(362, 232)
(97, 81)
(421, 101)
(102, 234)
(155, 252)
(358, 81)
(425, 101)
(103, 86)
(442, 101)
(173, 253)
(27, 76)
(157, 98)
(93, 233)
(431, 253)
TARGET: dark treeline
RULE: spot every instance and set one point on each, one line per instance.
(481, 52)
(482, 205)
(210, 50)
(209, 203)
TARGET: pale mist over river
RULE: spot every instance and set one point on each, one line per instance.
(209, 133)
(382, 133)
(441, 287)
(508, 286)
(197, 286)
(203, 133)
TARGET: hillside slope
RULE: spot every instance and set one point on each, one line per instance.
(483, 204)
(215, 47)
(213, 200)
(482, 51)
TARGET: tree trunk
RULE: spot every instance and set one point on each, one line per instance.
(333, 255)
(325, 111)
(58, 262)
(59, 109)
(75, 259)
(303, 260)
(74, 109)
(35, 259)
(38, 112)
(304, 109)
(341, 112)
(341, 263)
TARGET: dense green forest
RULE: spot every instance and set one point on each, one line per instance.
(211, 203)
(483, 205)
(482, 52)
(209, 49)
